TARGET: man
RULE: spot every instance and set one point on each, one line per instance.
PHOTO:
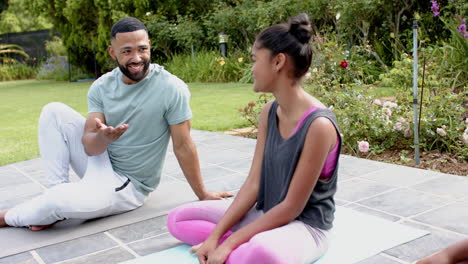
(133, 111)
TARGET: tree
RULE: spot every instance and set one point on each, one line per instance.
(16, 18)
(3, 5)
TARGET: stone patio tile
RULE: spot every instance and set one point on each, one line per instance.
(217, 138)
(401, 176)
(7, 204)
(111, 256)
(209, 173)
(343, 176)
(242, 166)
(379, 259)
(74, 248)
(141, 230)
(221, 156)
(341, 202)
(28, 166)
(23, 258)
(357, 189)
(247, 147)
(10, 176)
(370, 211)
(165, 178)
(423, 246)
(353, 166)
(172, 167)
(6, 167)
(404, 202)
(20, 191)
(451, 186)
(229, 183)
(40, 176)
(154, 244)
(452, 217)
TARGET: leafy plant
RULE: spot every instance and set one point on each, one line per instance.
(7, 49)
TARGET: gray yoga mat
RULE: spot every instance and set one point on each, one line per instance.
(160, 202)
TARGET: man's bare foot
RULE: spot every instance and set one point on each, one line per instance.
(2, 218)
(38, 227)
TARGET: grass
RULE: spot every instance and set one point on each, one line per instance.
(214, 107)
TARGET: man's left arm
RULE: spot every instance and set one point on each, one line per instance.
(187, 156)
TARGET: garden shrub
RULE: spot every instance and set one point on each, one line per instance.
(209, 66)
(57, 67)
(16, 71)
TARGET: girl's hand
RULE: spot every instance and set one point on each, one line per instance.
(220, 255)
(204, 249)
(438, 258)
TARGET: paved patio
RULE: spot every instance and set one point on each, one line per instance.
(424, 199)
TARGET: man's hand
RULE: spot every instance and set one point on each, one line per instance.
(215, 195)
(108, 133)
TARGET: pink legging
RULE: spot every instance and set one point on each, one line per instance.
(292, 243)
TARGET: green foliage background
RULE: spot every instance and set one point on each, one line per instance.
(176, 25)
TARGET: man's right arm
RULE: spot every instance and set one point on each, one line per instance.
(97, 135)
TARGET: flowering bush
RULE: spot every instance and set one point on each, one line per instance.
(208, 66)
(16, 71)
(54, 68)
(335, 66)
(251, 112)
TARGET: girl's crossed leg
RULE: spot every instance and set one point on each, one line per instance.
(291, 243)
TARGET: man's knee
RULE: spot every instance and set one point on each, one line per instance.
(54, 107)
(51, 110)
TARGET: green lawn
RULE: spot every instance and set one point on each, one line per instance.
(214, 107)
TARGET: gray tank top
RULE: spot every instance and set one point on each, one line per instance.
(280, 159)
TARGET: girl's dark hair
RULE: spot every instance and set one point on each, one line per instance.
(127, 24)
(292, 39)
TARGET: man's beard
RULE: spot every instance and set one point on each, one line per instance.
(138, 76)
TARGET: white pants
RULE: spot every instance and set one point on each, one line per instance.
(100, 192)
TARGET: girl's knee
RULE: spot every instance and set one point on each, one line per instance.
(254, 252)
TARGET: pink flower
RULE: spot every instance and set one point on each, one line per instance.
(407, 132)
(398, 126)
(378, 102)
(435, 8)
(465, 138)
(387, 111)
(441, 132)
(389, 104)
(344, 64)
(363, 146)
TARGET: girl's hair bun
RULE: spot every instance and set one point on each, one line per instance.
(299, 27)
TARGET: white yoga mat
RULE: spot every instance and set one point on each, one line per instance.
(160, 202)
(356, 236)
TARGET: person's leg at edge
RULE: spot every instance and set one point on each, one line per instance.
(292, 243)
(60, 131)
(96, 195)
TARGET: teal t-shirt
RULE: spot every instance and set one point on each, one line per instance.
(148, 107)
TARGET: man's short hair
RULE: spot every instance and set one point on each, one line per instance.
(127, 24)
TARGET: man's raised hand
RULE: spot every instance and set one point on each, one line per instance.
(110, 134)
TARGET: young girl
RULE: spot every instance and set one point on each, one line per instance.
(285, 208)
